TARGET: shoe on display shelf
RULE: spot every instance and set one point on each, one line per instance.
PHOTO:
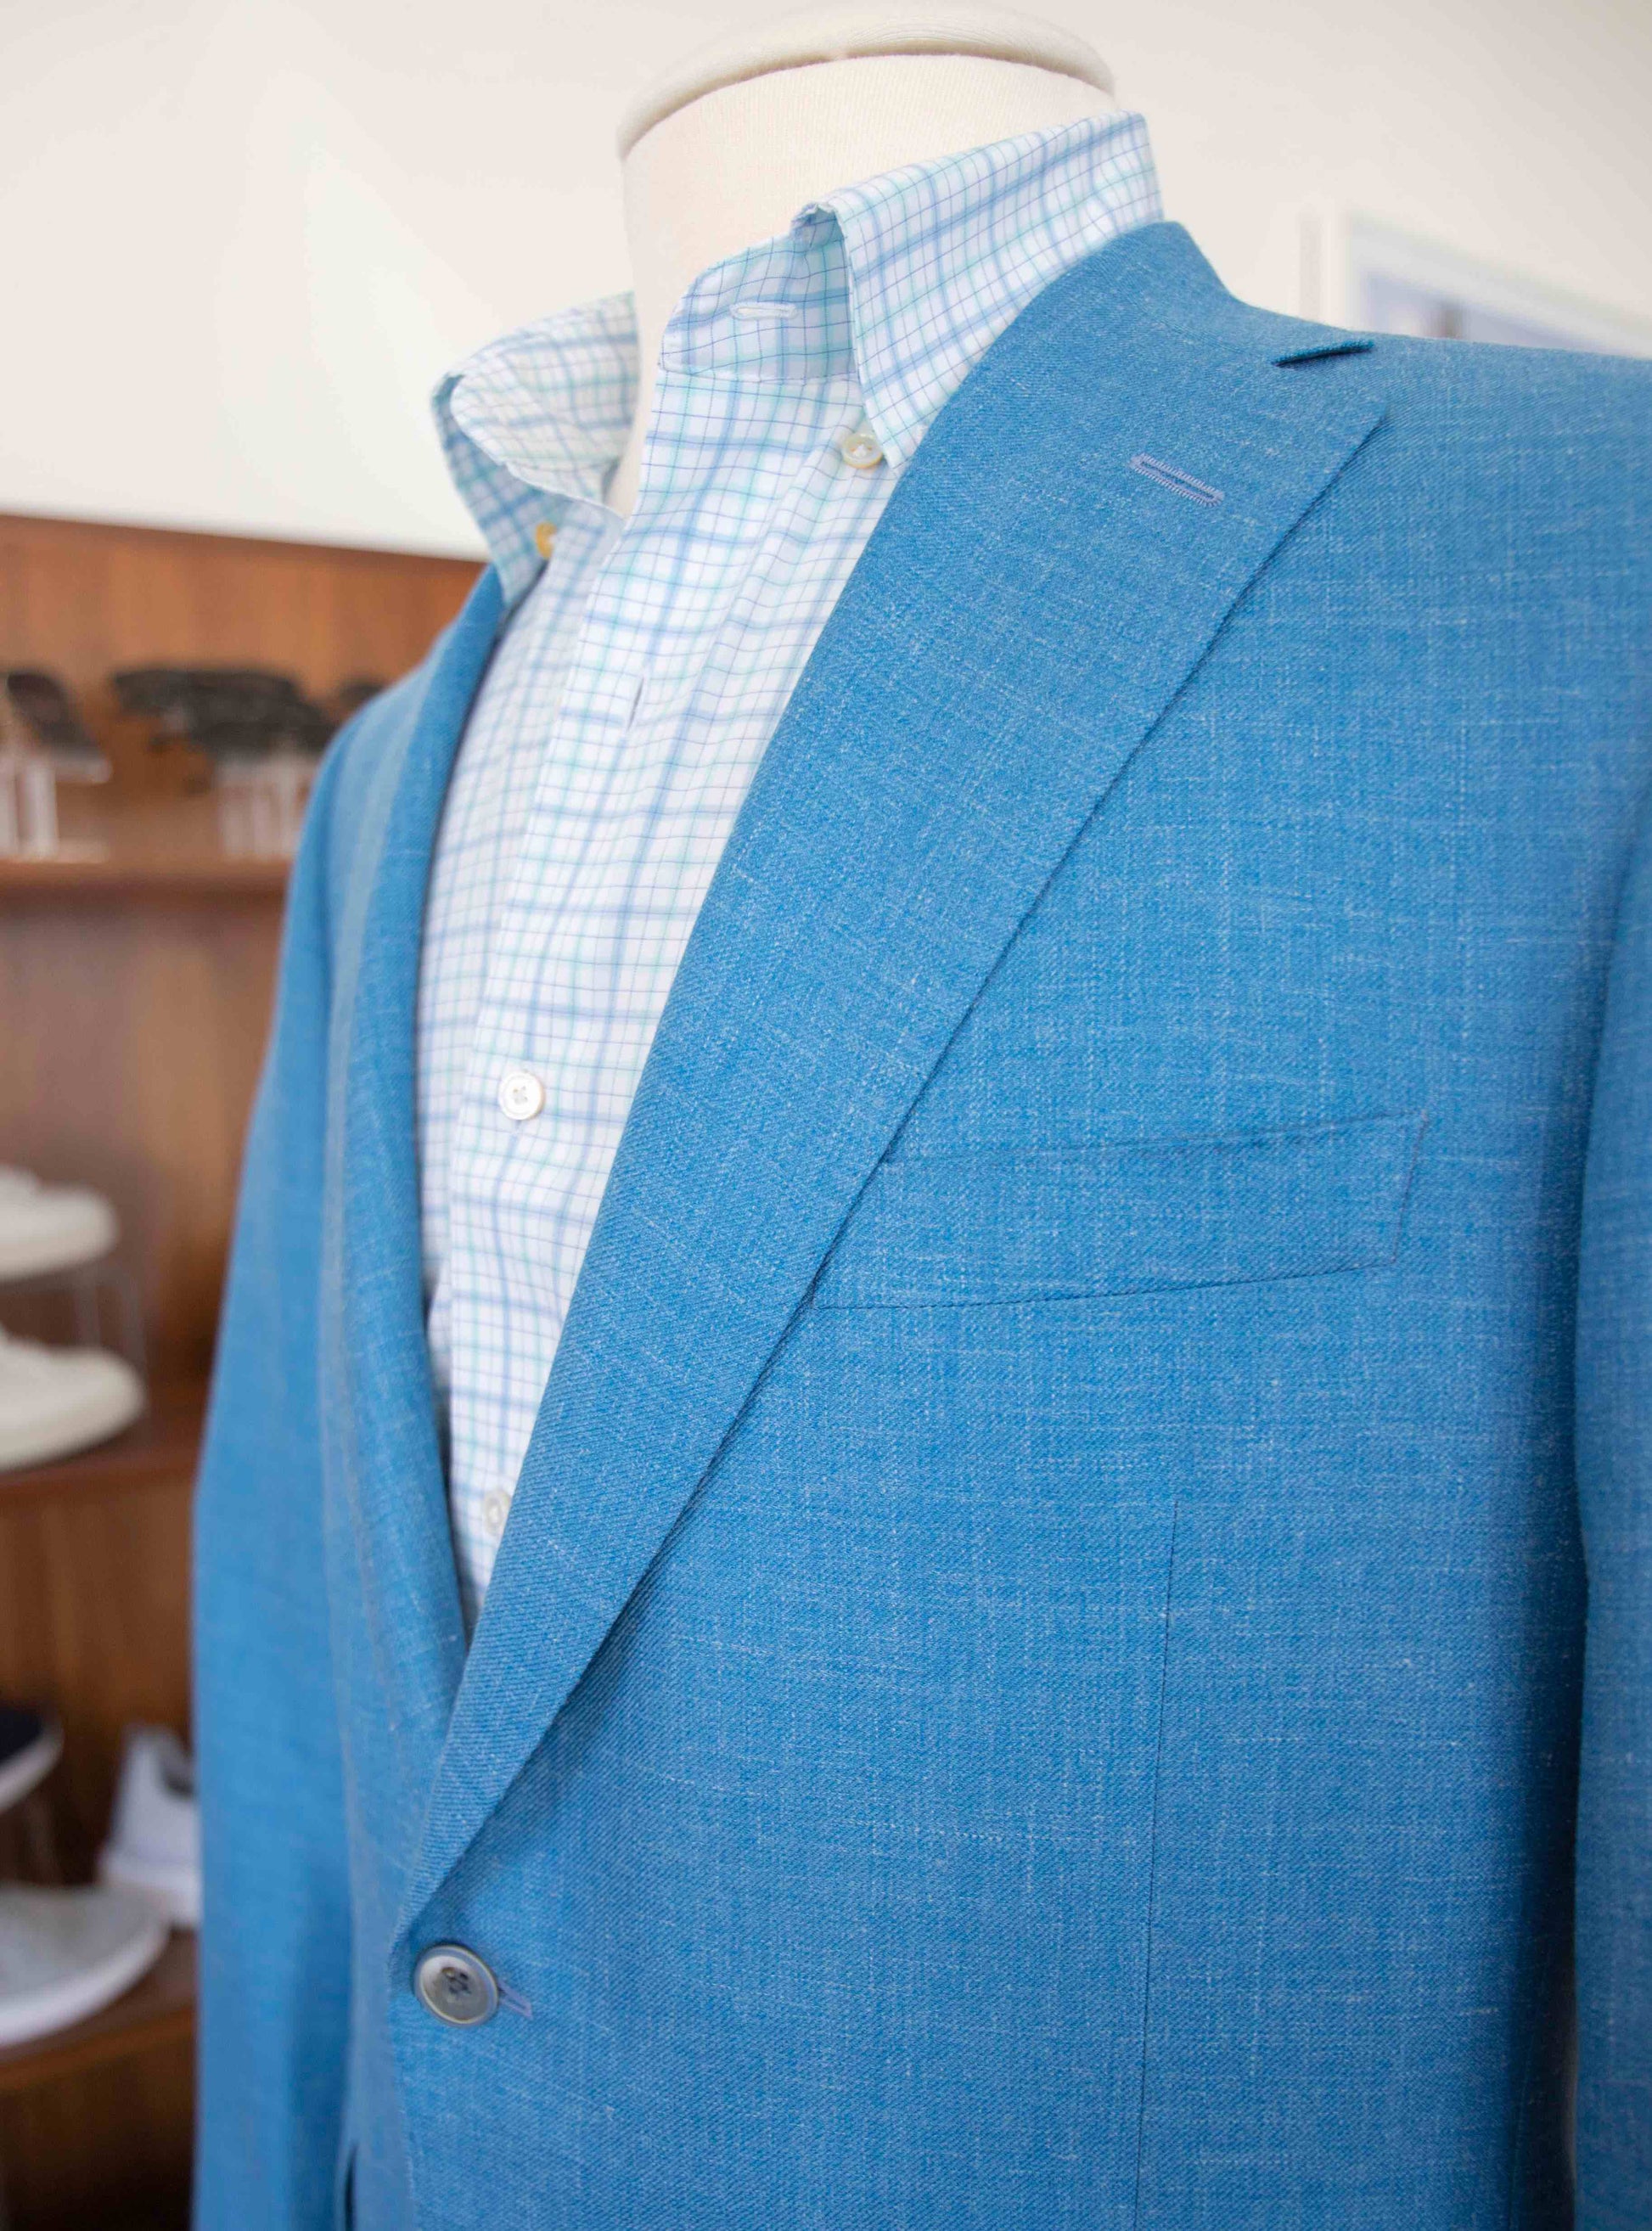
(38, 714)
(154, 1844)
(45, 1228)
(54, 1401)
(65, 1953)
(30, 1745)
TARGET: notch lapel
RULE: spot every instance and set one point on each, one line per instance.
(1033, 599)
(389, 1494)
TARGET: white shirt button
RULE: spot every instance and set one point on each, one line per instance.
(495, 1508)
(520, 1095)
(860, 447)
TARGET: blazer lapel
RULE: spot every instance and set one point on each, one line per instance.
(1072, 532)
(385, 1460)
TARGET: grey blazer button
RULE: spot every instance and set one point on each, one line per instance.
(456, 1986)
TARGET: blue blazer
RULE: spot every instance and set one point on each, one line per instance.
(1074, 1648)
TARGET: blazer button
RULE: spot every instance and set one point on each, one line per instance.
(456, 1986)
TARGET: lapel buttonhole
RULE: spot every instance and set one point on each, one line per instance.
(1172, 477)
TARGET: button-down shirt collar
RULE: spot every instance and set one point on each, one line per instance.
(903, 281)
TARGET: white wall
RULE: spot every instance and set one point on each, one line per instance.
(242, 237)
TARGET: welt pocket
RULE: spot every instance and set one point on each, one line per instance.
(933, 1230)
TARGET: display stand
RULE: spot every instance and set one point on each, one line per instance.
(260, 803)
(29, 823)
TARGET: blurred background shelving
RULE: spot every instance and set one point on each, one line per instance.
(135, 989)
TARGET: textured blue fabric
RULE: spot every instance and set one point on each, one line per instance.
(1092, 1503)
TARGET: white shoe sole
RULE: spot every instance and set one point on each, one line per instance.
(99, 1415)
(172, 1890)
(89, 1239)
(21, 1774)
(30, 2014)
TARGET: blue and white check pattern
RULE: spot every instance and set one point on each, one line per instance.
(641, 675)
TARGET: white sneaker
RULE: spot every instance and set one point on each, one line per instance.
(154, 1844)
(50, 1227)
(65, 1953)
(53, 1400)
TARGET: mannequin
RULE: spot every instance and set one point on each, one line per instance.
(725, 151)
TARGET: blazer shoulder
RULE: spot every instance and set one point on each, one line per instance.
(1531, 383)
(1546, 387)
(1557, 439)
(1522, 426)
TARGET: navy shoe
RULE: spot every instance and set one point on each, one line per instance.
(31, 1744)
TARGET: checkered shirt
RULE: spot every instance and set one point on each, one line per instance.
(642, 671)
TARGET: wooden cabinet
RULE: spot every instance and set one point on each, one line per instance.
(134, 999)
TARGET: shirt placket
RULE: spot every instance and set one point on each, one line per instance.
(532, 1182)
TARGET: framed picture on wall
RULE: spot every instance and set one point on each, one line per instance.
(1355, 271)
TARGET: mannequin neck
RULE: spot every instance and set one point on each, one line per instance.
(734, 166)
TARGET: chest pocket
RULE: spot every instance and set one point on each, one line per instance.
(934, 1230)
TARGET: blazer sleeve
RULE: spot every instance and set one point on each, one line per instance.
(1614, 1910)
(274, 1947)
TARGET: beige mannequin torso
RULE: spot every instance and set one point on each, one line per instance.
(725, 153)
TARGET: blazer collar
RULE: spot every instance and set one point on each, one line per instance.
(1063, 549)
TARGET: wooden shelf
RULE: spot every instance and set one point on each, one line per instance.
(135, 992)
(164, 848)
(160, 2010)
(158, 1451)
(118, 878)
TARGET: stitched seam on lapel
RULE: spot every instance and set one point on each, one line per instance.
(1178, 483)
(340, 1426)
